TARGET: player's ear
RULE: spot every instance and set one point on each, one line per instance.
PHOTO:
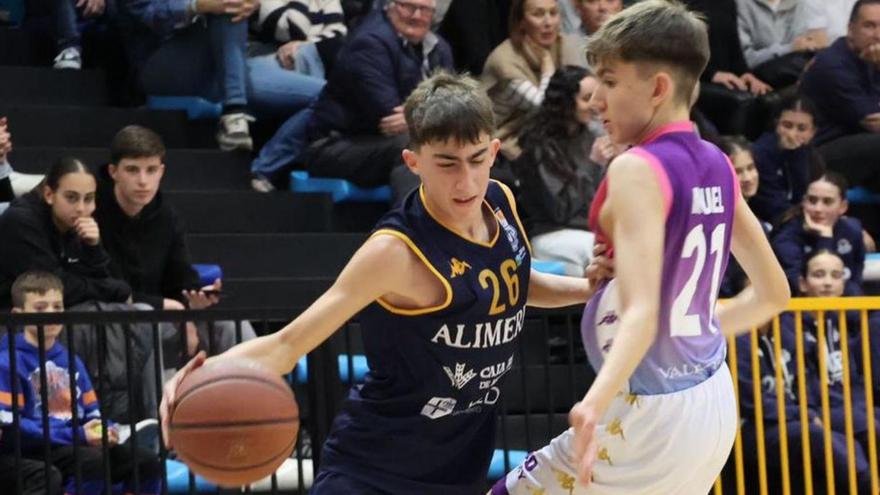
(410, 158)
(802, 283)
(663, 88)
(494, 148)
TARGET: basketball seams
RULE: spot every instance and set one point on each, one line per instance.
(285, 452)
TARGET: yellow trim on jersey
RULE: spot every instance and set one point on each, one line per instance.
(418, 252)
(509, 194)
(447, 227)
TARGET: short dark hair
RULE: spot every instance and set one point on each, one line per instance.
(816, 254)
(656, 31)
(733, 144)
(34, 282)
(134, 141)
(448, 106)
(856, 10)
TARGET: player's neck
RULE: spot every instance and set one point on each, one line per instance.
(479, 227)
(664, 116)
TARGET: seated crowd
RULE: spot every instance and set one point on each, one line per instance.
(100, 237)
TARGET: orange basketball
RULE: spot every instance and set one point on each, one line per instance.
(234, 422)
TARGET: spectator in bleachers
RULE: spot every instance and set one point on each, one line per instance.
(561, 168)
(569, 16)
(769, 363)
(594, 13)
(33, 480)
(146, 240)
(52, 229)
(727, 65)
(199, 48)
(12, 183)
(6, 193)
(738, 149)
(518, 71)
(774, 41)
(358, 131)
(309, 35)
(42, 292)
(65, 14)
(829, 18)
(844, 83)
(473, 29)
(824, 275)
(786, 161)
(819, 225)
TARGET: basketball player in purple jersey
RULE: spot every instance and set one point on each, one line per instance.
(660, 418)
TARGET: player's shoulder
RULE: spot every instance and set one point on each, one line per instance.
(386, 244)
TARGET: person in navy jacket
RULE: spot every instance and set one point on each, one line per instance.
(822, 225)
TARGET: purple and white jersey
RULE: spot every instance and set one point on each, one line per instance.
(700, 190)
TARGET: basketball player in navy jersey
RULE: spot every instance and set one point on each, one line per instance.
(441, 285)
(660, 417)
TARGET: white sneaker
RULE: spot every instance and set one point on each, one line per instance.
(69, 58)
(234, 132)
(261, 184)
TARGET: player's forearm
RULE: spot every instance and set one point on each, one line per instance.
(750, 309)
(555, 291)
(636, 334)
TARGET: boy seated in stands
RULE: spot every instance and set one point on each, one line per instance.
(42, 292)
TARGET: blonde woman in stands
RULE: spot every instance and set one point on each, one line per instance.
(518, 71)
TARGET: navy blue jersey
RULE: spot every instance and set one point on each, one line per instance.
(424, 420)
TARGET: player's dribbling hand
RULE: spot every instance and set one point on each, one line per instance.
(169, 395)
(584, 418)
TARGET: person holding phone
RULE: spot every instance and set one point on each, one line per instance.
(146, 240)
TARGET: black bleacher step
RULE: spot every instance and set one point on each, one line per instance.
(244, 212)
(47, 86)
(528, 433)
(185, 169)
(272, 293)
(276, 255)
(25, 47)
(71, 126)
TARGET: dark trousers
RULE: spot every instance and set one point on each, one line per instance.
(32, 477)
(795, 457)
(122, 469)
(856, 157)
(365, 161)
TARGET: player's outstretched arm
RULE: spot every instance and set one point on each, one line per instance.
(555, 291)
(768, 293)
(366, 277)
(639, 227)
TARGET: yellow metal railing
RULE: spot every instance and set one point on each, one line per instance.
(798, 307)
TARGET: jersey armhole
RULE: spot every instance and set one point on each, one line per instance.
(659, 173)
(418, 252)
(512, 202)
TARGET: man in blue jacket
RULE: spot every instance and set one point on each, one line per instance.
(844, 82)
(358, 130)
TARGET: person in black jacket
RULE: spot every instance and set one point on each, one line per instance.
(560, 167)
(146, 239)
(52, 229)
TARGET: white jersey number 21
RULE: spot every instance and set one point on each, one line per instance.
(682, 324)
